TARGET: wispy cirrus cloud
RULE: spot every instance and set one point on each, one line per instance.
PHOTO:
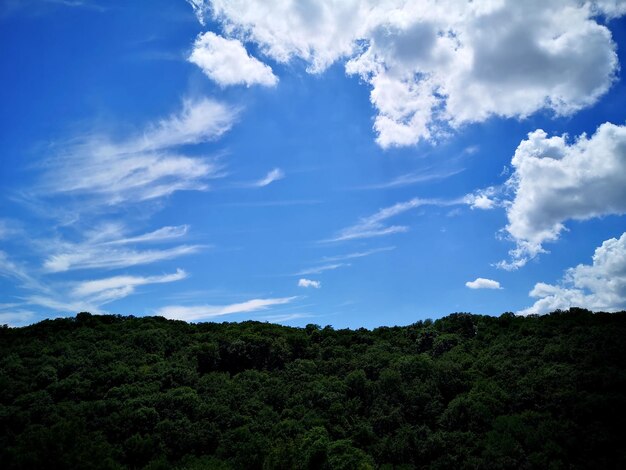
(112, 288)
(159, 235)
(14, 315)
(375, 224)
(285, 317)
(358, 254)
(414, 178)
(202, 312)
(109, 254)
(274, 175)
(143, 167)
(321, 269)
(92, 295)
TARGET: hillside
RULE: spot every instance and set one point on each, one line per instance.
(464, 391)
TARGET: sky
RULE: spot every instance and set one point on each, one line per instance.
(351, 163)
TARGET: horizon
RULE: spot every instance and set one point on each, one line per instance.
(354, 164)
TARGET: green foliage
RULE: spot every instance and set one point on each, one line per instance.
(464, 391)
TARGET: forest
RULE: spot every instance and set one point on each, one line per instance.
(464, 391)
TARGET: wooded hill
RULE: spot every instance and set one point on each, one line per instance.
(464, 391)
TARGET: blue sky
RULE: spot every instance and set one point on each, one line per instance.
(354, 164)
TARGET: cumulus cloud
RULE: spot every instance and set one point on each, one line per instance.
(555, 180)
(201, 312)
(482, 283)
(226, 62)
(598, 286)
(484, 199)
(309, 283)
(435, 64)
(144, 167)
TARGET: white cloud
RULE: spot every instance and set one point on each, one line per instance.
(358, 254)
(201, 8)
(16, 317)
(610, 8)
(159, 235)
(285, 317)
(200, 120)
(109, 246)
(200, 312)
(309, 283)
(226, 62)
(90, 257)
(51, 302)
(484, 199)
(555, 181)
(91, 295)
(437, 64)
(599, 286)
(16, 271)
(143, 167)
(113, 288)
(321, 269)
(274, 175)
(413, 178)
(374, 225)
(482, 283)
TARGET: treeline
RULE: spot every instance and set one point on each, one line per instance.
(464, 391)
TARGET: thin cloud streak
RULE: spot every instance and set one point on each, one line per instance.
(360, 254)
(274, 175)
(199, 312)
(321, 269)
(164, 233)
(413, 178)
(373, 225)
(95, 257)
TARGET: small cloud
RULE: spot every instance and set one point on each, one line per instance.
(482, 283)
(484, 199)
(274, 175)
(226, 62)
(309, 283)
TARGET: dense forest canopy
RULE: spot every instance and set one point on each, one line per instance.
(464, 391)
